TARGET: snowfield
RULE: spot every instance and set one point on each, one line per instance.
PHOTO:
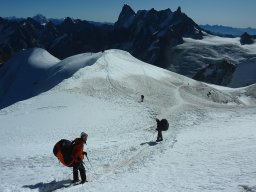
(210, 144)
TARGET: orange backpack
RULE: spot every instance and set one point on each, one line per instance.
(63, 151)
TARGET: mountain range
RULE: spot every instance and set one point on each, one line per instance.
(38, 18)
(162, 38)
(144, 34)
(228, 31)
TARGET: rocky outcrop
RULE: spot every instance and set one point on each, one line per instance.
(219, 73)
(246, 39)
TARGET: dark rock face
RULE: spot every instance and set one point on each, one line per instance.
(146, 34)
(125, 17)
(219, 73)
(76, 36)
(246, 39)
(17, 35)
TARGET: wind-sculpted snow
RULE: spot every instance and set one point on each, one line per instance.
(208, 146)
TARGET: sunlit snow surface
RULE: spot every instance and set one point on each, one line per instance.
(210, 145)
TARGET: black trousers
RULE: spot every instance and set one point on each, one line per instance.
(79, 167)
(159, 136)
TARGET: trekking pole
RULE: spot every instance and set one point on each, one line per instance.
(85, 165)
(93, 170)
(89, 161)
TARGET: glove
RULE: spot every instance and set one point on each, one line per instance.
(85, 153)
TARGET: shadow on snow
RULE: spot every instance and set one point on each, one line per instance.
(150, 143)
(48, 187)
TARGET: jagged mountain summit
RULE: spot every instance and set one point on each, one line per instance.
(147, 34)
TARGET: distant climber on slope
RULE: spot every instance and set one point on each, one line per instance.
(162, 125)
(78, 156)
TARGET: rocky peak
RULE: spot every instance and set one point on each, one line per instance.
(178, 14)
(40, 19)
(178, 11)
(126, 12)
(165, 12)
(30, 22)
(125, 18)
(67, 25)
(68, 20)
(246, 39)
(184, 25)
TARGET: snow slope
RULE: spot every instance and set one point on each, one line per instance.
(209, 146)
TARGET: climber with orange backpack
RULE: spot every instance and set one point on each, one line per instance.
(71, 154)
(78, 156)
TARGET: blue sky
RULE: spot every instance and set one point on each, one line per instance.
(236, 13)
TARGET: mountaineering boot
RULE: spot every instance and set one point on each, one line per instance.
(76, 181)
(159, 139)
(82, 182)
